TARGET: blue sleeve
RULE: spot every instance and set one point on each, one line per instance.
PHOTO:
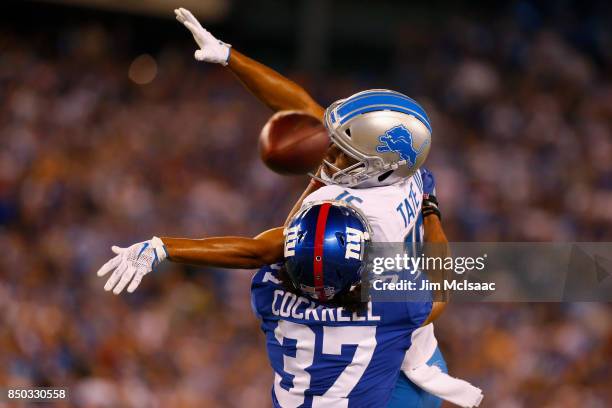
(418, 312)
(263, 284)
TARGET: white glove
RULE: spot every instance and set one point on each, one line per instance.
(211, 49)
(133, 262)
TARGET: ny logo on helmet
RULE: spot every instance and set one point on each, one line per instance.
(398, 139)
(354, 240)
(291, 240)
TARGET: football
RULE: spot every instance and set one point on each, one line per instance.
(293, 142)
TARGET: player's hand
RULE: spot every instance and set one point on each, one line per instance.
(211, 49)
(132, 263)
(429, 182)
(430, 202)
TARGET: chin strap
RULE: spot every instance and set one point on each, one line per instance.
(321, 180)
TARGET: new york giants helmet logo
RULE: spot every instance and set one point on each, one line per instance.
(399, 139)
(354, 241)
(291, 240)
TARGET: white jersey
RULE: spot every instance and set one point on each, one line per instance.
(393, 211)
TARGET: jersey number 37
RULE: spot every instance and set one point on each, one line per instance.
(334, 337)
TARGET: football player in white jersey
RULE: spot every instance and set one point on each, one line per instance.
(394, 213)
(380, 140)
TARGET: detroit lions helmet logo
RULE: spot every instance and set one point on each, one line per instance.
(398, 139)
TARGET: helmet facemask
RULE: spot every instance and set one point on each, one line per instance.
(366, 166)
(364, 169)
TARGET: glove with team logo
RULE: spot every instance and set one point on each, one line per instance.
(132, 263)
(211, 49)
(430, 202)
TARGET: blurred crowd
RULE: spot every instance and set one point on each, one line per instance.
(90, 158)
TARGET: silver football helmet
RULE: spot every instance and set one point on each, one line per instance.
(388, 133)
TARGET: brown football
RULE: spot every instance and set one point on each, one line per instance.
(293, 142)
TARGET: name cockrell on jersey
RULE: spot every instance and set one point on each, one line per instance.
(287, 304)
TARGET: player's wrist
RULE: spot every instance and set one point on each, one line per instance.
(226, 53)
(160, 249)
(430, 206)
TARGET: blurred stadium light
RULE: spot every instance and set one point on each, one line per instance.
(209, 10)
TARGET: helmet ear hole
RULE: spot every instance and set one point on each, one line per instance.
(341, 239)
(348, 132)
(384, 176)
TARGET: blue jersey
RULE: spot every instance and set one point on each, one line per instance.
(327, 357)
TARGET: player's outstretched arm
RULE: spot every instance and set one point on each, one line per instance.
(132, 263)
(270, 87)
(228, 252)
(434, 234)
(435, 237)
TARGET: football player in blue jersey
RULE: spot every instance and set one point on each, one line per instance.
(328, 346)
(270, 247)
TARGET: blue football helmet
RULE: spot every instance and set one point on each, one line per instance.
(325, 244)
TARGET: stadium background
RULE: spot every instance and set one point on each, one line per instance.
(101, 145)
